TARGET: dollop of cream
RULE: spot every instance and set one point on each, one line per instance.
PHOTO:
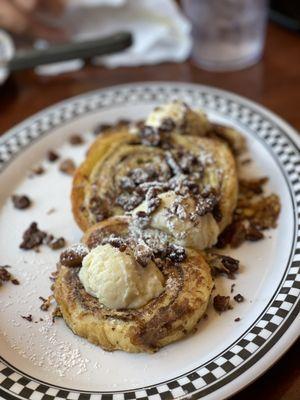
(199, 233)
(117, 280)
(186, 121)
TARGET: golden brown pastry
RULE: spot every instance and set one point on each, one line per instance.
(125, 170)
(184, 276)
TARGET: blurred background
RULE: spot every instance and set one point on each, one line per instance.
(251, 47)
(54, 49)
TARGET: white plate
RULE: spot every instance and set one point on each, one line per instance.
(46, 361)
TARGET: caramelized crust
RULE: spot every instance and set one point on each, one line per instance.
(113, 154)
(163, 320)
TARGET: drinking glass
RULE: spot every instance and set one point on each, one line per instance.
(228, 34)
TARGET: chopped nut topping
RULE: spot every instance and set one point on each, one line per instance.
(73, 256)
(67, 166)
(98, 208)
(253, 234)
(143, 254)
(253, 214)
(206, 205)
(129, 201)
(116, 242)
(252, 186)
(4, 274)
(152, 200)
(32, 237)
(167, 125)
(76, 140)
(221, 264)
(56, 314)
(149, 136)
(45, 302)
(39, 170)
(102, 128)
(56, 244)
(221, 303)
(176, 253)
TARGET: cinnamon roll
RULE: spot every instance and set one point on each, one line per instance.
(120, 292)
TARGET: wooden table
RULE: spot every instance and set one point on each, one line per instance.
(274, 82)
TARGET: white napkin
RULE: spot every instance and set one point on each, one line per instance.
(160, 31)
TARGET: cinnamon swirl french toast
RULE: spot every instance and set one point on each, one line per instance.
(173, 156)
(122, 293)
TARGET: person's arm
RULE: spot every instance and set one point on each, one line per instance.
(20, 17)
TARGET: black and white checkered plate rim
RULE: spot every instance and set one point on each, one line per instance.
(263, 337)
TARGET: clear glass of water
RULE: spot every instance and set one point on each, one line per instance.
(228, 34)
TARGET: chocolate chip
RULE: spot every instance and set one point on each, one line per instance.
(217, 213)
(21, 202)
(56, 244)
(188, 162)
(73, 256)
(167, 125)
(122, 248)
(239, 298)
(117, 242)
(153, 202)
(232, 288)
(32, 237)
(206, 205)
(253, 234)
(39, 170)
(141, 219)
(76, 140)
(239, 234)
(141, 214)
(102, 128)
(126, 183)
(27, 317)
(4, 274)
(15, 281)
(142, 175)
(143, 254)
(52, 156)
(176, 253)
(231, 264)
(149, 136)
(67, 166)
(237, 319)
(98, 208)
(221, 303)
(129, 201)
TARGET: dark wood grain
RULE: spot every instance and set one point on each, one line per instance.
(274, 82)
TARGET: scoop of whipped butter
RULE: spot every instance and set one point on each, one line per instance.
(185, 120)
(117, 280)
(199, 233)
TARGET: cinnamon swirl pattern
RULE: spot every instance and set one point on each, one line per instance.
(164, 319)
(131, 169)
(150, 197)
